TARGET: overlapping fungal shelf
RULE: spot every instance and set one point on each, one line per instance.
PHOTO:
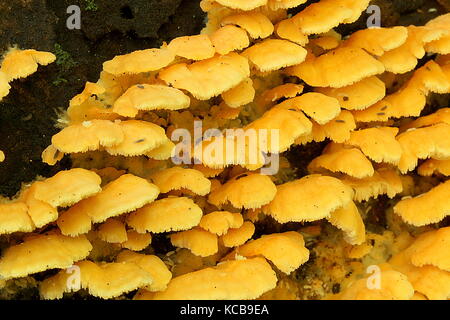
(233, 232)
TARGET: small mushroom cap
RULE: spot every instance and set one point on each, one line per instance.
(384, 181)
(288, 90)
(287, 29)
(139, 137)
(150, 97)
(169, 214)
(242, 94)
(310, 198)
(394, 286)
(248, 191)
(219, 222)
(67, 187)
(285, 250)
(163, 152)
(255, 23)
(359, 95)
(378, 40)
(137, 241)
(112, 231)
(139, 61)
(321, 108)
(236, 280)
(242, 5)
(423, 143)
(14, 218)
(432, 166)
(177, 178)
(338, 130)
(206, 79)
(349, 220)
(323, 16)
(75, 221)
(229, 38)
(125, 194)
(350, 161)
(88, 136)
(103, 280)
(356, 64)
(440, 116)
(431, 248)
(428, 208)
(198, 47)
(43, 252)
(405, 57)
(274, 54)
(238, 236)
(200, 242)
(290, 125)
(379, 144)
(21, 63)
(152, 264)
(428, 280)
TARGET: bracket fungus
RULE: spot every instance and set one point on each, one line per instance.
(357, 125)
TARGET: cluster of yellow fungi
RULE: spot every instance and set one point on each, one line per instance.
(247, 69)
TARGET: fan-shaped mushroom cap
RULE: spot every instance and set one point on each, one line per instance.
(430, 207)
(88, 136)
(238, 236)
(198, 47)
(139, 137)
(103, 280)
(112, 231)
(169, 214)
(137, 241)
(255, 23)
(67, 187)
(200, 242)
(379, 144)
(237, 279)
(229, 38)
(432, 166)
(21, 63)
(350, 161)
(355, 65)
(324, 15)
(219, 222)
(240, 95)
(152, 264)
(310, 198)
(43, 252)
(274, 54)
(245, 191)
(321, 108)
(14, 218)
(440, 116)
(125, 194)
(139, 61)
(423, 143)
(242, 5)
(359, 95)
(150, 97)
(384, 181)
(394, 286)
(431, 248)
(378, 40)
(349, 220)
(287, 29)
(177, 178)
(285, 250)
(208, 78)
